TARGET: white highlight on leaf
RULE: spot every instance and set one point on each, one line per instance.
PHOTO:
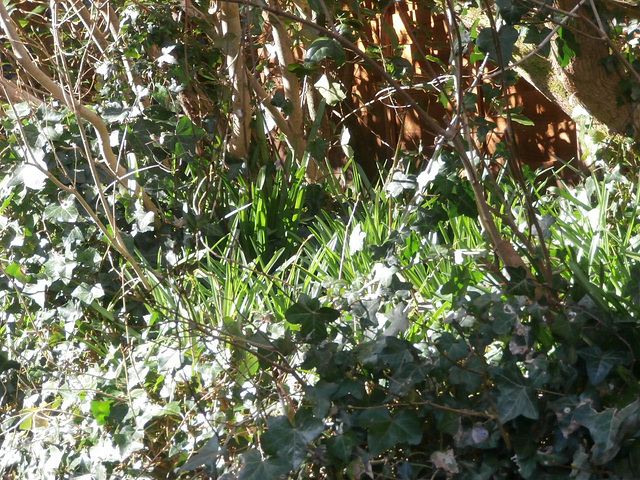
(446, 461)
(166, 56)
(330, 91)
(356, 239)
(383, 274)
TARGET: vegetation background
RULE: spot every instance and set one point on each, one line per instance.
(199, 281)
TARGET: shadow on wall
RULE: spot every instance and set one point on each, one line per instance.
(382, 123)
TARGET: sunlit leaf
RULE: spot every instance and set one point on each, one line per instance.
(101, 409)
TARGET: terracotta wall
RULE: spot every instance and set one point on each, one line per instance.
(384, 123)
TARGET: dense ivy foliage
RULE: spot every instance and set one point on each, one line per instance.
(261, 327)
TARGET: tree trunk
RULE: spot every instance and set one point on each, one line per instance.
(595, 86)
(240, 114)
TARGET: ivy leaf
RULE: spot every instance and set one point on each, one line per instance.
(600, 363)
(207, 454)
(320, 396)
(516, 396)
(312, 318)
(62, 212)
(87, 294)
(386, 431)
(521, 119)
(15, 270)
(6, 364)
(608, 428)
(341, 446)
(504, 317)
(507, 38)
(536, 37)
(144, 220)
(284, 440)
(388, 351)
(255, 468)
(101, 410)
(115, 112)
(408, 375)
(568, 47)
(324, 47)
(330, 91)
(59, 267)
(511, 11)
(519, 283)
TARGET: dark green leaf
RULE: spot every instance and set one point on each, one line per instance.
(516, 396)
(325, 47)
(115, 113)
(313, 321)
(284, 440)
(206, 455)
(608, 428)
(388, 351)
(536, 37)
(567, 46)
(255, 468)
(599, 362)
(519, 283)
(511, 10)
(385, 431)
(341, 446)
(507, 38)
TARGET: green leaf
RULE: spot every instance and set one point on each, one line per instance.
(511, 10)
(408, 375)
(87, 294)
(330, 91)
(521, 119)
(6, 364)
(568, 46)
(320, 396)
(388, 351)
(206, 455)
(516, 397)
(278, 100)
(15, 270)
(101, 410)
(59, 267)
(341, 446)
(302, 70)
(313, 320)
(599, 363)
(608, 428)
(284, 440)
(468, 378)
(385, 431)
(507, 38)
(519, 283)
(536, 37)
(255, 468)
(504, 317)
(62, 212)
(325, 47)
(449, 422)
(115, 113)
(144, 219)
